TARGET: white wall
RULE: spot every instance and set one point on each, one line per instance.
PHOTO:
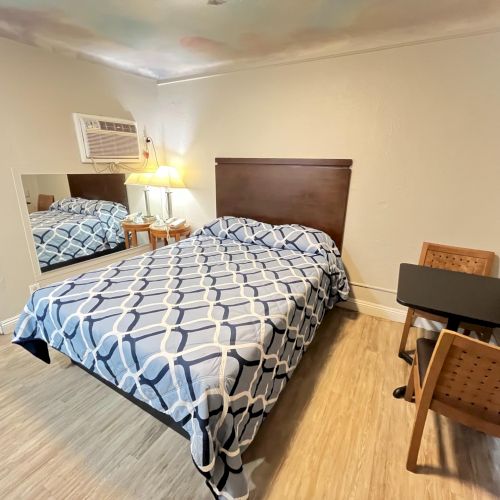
(52, 184)
(31, 190)
(38, 93)
(421, 124)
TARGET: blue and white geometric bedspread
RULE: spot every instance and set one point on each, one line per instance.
(208, 330)
(75, 227)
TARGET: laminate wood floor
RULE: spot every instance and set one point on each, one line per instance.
(335, 433)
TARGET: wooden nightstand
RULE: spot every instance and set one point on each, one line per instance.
(164, 234)
(131, 229)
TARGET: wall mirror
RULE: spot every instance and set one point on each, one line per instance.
(75, 217)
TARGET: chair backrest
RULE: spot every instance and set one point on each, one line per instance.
(465, 260)
(44, 201)
(466, 373)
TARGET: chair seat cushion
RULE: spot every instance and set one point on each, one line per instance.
(425, 348)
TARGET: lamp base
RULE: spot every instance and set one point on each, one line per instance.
(146, 201)
(169, 204)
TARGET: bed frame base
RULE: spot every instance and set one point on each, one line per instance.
(162, 417)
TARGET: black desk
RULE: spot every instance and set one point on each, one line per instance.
(459, 297)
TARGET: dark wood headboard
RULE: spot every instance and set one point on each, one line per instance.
(285, 191)
(108, 187)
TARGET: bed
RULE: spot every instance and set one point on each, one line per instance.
(83, 226)
(205, 334)
(76, 228)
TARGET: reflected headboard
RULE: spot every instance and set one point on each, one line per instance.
(108, 187)
(285, 191)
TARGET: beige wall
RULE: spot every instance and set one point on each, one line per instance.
(52, 184)
(31, 191)
(421, 123)
(38, 93)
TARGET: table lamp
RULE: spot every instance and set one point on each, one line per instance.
(142, 179)
(167, 177)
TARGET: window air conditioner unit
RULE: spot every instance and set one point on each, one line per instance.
(107, 140)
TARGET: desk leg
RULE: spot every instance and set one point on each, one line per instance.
(406, 357)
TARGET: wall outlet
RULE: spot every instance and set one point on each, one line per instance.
(34, 287)
(2, 329)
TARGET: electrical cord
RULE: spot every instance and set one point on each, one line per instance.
(150, 139)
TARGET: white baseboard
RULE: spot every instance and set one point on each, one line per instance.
(386, 312)
(372, 309)
(7, 325)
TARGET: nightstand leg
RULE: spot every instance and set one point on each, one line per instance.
(453, 323)
(134, 238)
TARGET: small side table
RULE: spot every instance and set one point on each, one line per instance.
(164, 234)
(131, 229)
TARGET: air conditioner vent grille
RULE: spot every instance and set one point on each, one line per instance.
(111, 146)
(105, 140)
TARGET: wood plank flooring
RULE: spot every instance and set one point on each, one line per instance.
(335, 433)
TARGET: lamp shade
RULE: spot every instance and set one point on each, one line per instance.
(165, 176)
(140, 179)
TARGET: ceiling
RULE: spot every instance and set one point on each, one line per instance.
(175, 39)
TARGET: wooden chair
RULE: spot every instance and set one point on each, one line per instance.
(458, 377)
(465, 260)
(44, 201)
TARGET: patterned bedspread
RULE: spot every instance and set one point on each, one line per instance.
(75, 227)
(208, 330)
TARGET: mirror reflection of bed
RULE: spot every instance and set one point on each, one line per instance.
(75, 217)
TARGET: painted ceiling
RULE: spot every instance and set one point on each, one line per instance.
(174, 39)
